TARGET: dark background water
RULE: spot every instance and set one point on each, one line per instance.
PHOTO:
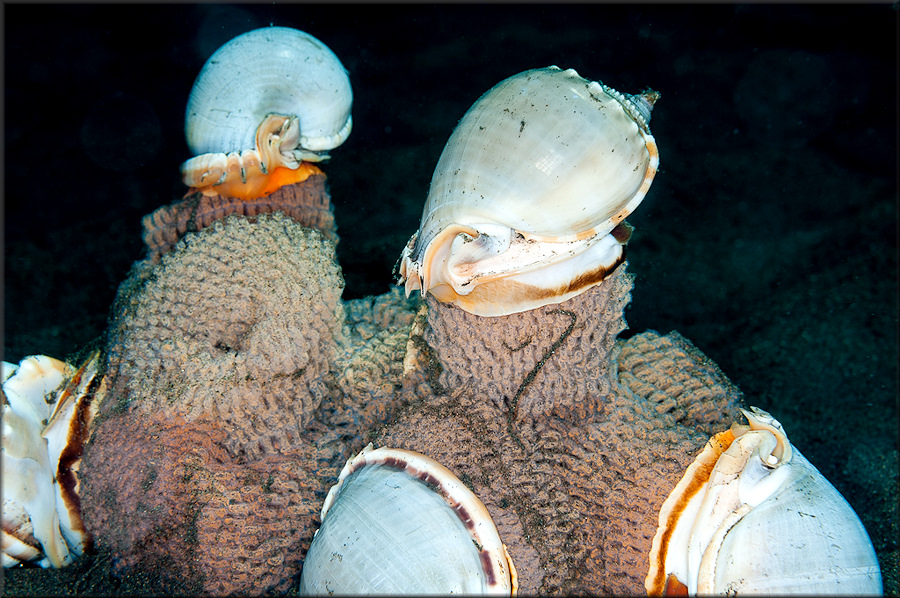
(769, 237)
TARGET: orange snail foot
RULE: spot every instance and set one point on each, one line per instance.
(674, 587)
(260, 184)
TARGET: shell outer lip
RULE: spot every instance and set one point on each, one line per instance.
(254, 172)
(68, 432)
(496, 562)
(684, 500)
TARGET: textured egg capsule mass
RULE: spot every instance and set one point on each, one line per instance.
(264, 106)
(526, 198)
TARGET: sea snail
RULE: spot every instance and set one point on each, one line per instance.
(527, 202)
(47, 415)
(263, 107)
(398, 522)
(752, 516)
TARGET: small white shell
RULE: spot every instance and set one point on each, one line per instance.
(398, 522)
(47, 413)
(753, 516)
(266, 73)
(273, 70)
(535, 177)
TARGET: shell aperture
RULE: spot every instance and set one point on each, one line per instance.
(751, 493)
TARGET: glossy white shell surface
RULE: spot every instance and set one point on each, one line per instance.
(388, 528)
(538, 171)
(767, 522)
(48, 410)
(273, 70)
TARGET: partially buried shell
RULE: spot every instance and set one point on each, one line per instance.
(526, 204)
(265, 102)
(48, 409)
(753, 516)
(397, 522)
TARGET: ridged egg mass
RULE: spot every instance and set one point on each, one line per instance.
(526, 204)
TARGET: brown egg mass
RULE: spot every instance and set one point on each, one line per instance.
(571, 439)
(237, 390)
(240, 383)
(308, 203)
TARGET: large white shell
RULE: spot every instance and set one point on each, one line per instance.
(397, 522)
(753, 516)
(47, 413)
(273, 70)
(531, 183)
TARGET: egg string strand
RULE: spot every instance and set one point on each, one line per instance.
(513, 411)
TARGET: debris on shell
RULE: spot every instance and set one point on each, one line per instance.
(527, 202)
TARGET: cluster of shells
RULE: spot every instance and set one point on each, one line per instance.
(526, 208)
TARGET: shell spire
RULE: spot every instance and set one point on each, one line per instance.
(643, 104)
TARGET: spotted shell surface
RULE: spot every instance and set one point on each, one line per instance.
(539, 170)
(273, 70)
(546, 153)
(397, 522)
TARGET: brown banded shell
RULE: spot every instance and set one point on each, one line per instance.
(752, 516)
(397, 522)
(528, 191)
(48, 410)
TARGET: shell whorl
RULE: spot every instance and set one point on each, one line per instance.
(404, 523)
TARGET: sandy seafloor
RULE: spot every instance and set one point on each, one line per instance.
(769, 237)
